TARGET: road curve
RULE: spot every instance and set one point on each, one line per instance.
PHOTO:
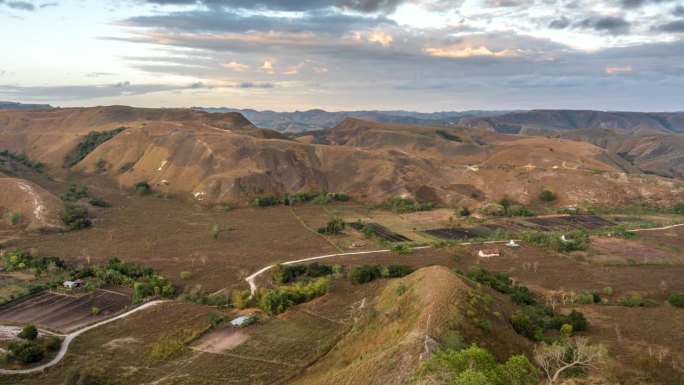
(72, 335)
(659, 228)
(253, 286)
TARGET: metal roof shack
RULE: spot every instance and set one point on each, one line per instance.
(242, 321)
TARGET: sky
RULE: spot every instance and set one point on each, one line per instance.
(285, 55)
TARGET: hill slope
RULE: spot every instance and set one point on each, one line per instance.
(395, 333)
(224, 158)
(38, 209)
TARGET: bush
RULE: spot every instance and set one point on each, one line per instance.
(552, 240)
(398, 271)
(464, 212)
(53, 343)
(276, 301)
(608, 290)
(99, 202)
(75, 193)
(29, 352)
(142, 188)
(269, 200)
(76, 217)
(401, 248)
(185, 274)
(29, 332)
(676, 299)
(405, 205)
(678, 208)
(334, 227)
(365, 273)
(636, 301)
(547, 196)
(330, 197)
(496, 280)
(16, 219)
(290, 273)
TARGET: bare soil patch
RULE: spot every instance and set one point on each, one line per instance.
(628, 251)
(219, 340)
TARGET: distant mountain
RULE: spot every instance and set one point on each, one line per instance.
(313, 120)
(21, 106)
(547, 121)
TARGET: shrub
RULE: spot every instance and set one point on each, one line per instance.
(401, 289)
(608, 290)
(289, 273)
(398, 271)
(566, 329)
(95, 310)
(492, 209)
(636, 301)
(29, 332)
(496, 280)
(29, 352)
(76, 217)
(142, 188)
(269, 200)
(99, 202)
(185, 274)
(75, 193)
(16, 218)
(364, 274)
(53, 343)
(676, 299)
(334, 227)
(678, 208)
(523, 296)
(330, 197)
(547, 196)
(464, 212)
(405, 205)
(401, 248)
(447, 136)
(276, 301)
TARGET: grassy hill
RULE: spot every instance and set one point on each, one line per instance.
(400, 329)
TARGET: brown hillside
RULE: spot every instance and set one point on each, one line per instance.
(40, 210)
(223, 158)
(394, 334)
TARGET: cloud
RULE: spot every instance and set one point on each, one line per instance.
(560, 23)
(19, 5)
(235, 66)
(364, 6)
(674, 26)
(639, 3)
(678, 11)
(384, 6)
(47, 5)
(610, 24)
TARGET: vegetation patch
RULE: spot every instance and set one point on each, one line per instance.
(9, 157)
(405, 205)
(367, 273)
(291, 273)
(89, 143)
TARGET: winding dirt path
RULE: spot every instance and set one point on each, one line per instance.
(72, 335)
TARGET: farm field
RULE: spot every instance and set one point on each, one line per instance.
(569, 222)
(453, 233)
(64, 312)
(381, 232)
(172, 236)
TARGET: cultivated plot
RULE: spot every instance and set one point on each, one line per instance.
(64, 312)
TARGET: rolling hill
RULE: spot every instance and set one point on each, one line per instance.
(224, 158)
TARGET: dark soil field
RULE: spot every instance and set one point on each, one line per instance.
(382, 232)
(65, 313)
(569, 222)
(452, 233)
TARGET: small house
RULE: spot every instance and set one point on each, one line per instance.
(242, 321)
(487, 253)
(512, 244)
(71, 284)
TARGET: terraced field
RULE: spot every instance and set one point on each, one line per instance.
(66, 313)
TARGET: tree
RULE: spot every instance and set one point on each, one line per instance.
(29, 332)
(142, 188)
(547, 196)
(678, 208)
(464, 212)
(676, 299)
(574, 352)
(334, 227)
(29, 353)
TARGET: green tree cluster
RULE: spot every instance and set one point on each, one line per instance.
(290, 273)
(89, 143)
(366, 273)
(477, 366)
(276, 301)
(405, 205)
